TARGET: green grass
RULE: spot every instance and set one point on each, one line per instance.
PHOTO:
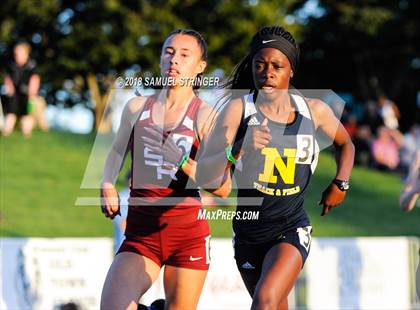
(40, 180)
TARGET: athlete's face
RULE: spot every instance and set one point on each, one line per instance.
(271, 71)
(181, 57)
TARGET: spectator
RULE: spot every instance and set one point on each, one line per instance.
(385, 149)
(389, 112)
(22, 85)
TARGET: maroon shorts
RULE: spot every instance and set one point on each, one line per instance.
(179, 241)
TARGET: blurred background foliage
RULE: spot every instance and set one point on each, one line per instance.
(359, 47)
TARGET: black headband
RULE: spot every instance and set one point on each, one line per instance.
(277, 42)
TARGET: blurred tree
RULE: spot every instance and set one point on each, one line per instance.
(364, 47)
(98, 40)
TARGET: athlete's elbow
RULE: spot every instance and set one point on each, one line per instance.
(225, 189)
(222, 192)
(351, 146)
(347, 147)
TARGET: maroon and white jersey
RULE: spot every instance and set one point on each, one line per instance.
(156, 189)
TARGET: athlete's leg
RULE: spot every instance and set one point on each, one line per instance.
(250, 280)
(249, 259)
(280, 270)
(183, 287)
(128, 278)
(9, 124)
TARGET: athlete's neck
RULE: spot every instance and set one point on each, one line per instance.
(279, 104)
(176, 98)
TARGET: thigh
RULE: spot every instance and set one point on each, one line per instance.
(250, 279)
(128, 278)
(249, 260)
(183, 287)
(301, 239)
(280, 270)
(187, 245)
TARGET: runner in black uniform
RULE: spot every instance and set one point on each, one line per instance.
(281, 185)
(267, 136)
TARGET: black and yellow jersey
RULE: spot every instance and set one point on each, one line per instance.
(273, 180)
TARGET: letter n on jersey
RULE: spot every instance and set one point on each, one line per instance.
(273, 159)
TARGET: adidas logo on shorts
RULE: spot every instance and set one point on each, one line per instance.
(247, 265)
(253, 121)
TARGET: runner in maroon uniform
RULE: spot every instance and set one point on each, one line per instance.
(163, 134)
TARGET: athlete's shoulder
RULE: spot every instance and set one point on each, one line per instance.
(316, 104)
(233, 108)
(318, 107)
(136, 103)
(206, 116)
(132, 108)
(232, 112)
(236, 104)
(320, 111)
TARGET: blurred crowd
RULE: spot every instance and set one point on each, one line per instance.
(378, 140)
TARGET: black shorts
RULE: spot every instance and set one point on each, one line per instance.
(250, 257)
(16, 104)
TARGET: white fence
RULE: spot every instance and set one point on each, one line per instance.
(340, 273)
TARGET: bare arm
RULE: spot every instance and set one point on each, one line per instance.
(325, 120)
(116, 157)
(213, 167)
(205, 116)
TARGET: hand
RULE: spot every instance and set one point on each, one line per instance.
(110, 201)
(163, 144)
(260, 136)
(332, 196)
